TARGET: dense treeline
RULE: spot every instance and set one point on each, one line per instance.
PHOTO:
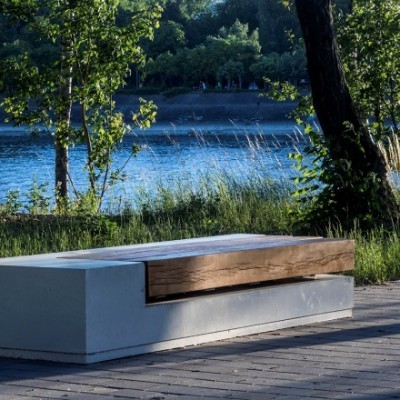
(233, 42)
(226, 44)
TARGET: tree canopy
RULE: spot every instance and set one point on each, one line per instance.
(186, 27)
(92, 57)
(370, 42)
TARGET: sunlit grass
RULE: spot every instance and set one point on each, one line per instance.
(227, 207)
(390, 149)
(377, 258)
(213, 207)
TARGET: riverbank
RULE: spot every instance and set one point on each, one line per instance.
(243, 107)
(206, 108)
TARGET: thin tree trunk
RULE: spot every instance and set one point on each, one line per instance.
(346, 136)
(64, 122)
(61, 170)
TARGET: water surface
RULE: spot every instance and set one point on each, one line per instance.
(171, 155)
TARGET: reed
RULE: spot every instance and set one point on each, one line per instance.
(214, 206)
(255, 207)
(377, 253)
(390, 149)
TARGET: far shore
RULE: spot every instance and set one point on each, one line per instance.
(243, 107)
(205, 108)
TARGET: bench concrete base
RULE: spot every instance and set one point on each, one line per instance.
(85, 311)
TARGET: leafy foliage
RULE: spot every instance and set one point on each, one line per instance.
(94, 56)
(277, 22)
(326, 183)
(342, 183)
(231, 69)
(186, 27)
(370, 39)
(206, 61)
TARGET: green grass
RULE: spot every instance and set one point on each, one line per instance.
(220, 207)
(377, 255)
(214, 208)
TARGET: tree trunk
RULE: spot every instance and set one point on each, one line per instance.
(348, 140)
(61, 170)
(64, 122)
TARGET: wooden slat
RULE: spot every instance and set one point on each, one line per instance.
(287, 260)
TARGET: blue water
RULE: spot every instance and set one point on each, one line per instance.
(171, 156)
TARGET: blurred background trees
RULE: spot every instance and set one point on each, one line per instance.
(195, 41)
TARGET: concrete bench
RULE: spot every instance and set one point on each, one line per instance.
(94, 305)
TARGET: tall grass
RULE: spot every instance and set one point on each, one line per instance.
(229, 207)
(215, 207)
(378, 256)
(377, 253)
(390, 149)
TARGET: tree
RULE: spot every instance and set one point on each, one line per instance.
(276, 23)
(266, 68)
(370, 40)
(184, 10)
(169, 37)
(230, 70)
(202, 62)
(354, 171)
(245, 11)
(164, 66)
(292, 65)
(235, 44)
(94, 54)
(195, 65)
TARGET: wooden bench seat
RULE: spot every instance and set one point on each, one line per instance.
(186, 266)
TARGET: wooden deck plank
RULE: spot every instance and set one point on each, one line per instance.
(289, 364)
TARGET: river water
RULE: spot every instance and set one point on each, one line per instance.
(172, 156)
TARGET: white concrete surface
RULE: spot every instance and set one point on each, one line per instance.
(85, 311)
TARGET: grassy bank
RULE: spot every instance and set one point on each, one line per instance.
(377, 255)
(258, 206)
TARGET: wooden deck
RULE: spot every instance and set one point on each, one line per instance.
(357, 358)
